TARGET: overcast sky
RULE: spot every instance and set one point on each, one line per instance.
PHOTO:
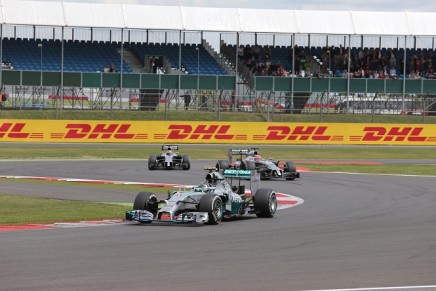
(368, 5)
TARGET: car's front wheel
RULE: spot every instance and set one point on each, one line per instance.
(152, 162)
(146, 201)
(265, 202)
(213, 205)
(186, 164)
(291, 169)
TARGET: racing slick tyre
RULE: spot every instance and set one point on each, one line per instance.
(292, 169)
(265, 202)
(146, 201)
(222, 165)
(152, 162)
(213, 205)
(186, 164)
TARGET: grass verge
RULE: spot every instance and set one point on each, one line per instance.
(30, 210)
(210, 152)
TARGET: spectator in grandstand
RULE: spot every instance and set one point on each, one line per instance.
(241, 53)
(392, 58)
(392, 72)
(113, 69)
(325, 60)
(381, 74)
(250, 65)
(360, 56)
(415, 75)
(367, 72)
(358, 73)
(256, 52)
(267, 53)
(106, 69)
(431, 74)
(248, 55)
(344, 73)
(282, 72)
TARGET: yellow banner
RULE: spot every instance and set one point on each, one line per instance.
(179, 132)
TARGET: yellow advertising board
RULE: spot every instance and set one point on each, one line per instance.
(179, 132)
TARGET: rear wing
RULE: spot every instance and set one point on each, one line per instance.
(240, 152)
(252, 175)
(241, 174)
(170, 147)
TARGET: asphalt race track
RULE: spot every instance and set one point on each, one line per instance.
(352, 231)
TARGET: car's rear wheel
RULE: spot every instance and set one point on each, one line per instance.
(186, 164)
(222, 165)
(152, 162)
(265, 202)
(213, 205)
(146, 201)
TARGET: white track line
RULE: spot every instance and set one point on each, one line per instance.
(414, 288)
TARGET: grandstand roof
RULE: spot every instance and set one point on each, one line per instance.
(129, 16)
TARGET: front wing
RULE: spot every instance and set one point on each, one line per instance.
(145, 216)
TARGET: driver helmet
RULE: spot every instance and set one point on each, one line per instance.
(203, 187)
(257, 157)
(169, 151)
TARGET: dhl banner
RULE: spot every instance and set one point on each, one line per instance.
(178, 132)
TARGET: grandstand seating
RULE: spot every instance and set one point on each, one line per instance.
(81, 56)
(280, 55)
(191, 58)
(78, 56)
(425, 65)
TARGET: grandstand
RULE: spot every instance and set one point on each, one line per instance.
(46, 55)
(66, 49)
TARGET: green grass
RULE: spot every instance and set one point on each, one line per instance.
(127, 187)
(28, 210)
(423, 170)
(17, 209)
(210, 152)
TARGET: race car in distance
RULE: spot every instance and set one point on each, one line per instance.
(169, 159)
(208, 202)
(268, 168)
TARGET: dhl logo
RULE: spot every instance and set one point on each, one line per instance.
(75, 131)
(316, 133)
(185, 131)
(411, 134)
(99, 131)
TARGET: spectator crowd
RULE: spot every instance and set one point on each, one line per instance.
(373, 63)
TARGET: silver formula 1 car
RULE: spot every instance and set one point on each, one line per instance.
(208, 202)
(169, 159)
(250, 159)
